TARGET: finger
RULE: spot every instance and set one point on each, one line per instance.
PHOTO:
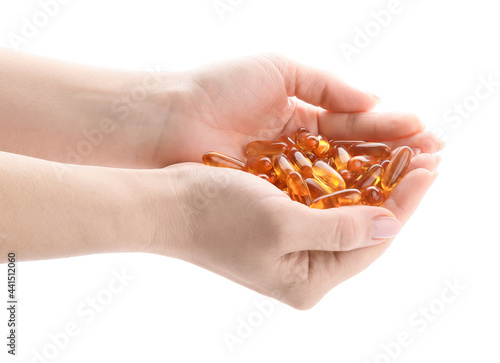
(339, 229)
(424, 161)
(426, 141)
(403, 201)
(321, 88)
(369, 126)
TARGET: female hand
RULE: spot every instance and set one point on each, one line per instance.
(224, 106)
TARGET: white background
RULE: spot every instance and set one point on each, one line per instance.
(427, 58)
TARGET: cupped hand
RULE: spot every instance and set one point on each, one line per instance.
(247, 230)
(224, 106)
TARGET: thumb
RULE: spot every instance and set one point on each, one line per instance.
(344, 228)
(321, 88)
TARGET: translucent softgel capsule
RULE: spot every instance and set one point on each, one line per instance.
(315, 189)
(323, 147)
(376, 149)
(282, 166)
(340, 157)
(301, 162)
(371, 177)
(373, 196)
(327, 176)
(267, 148)
(297, 188)
(259, 164)
(338, 199)
(396, 168)
(305, 140)
(213, 158)
(360, 164)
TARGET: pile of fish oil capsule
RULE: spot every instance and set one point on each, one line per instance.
(322, 173)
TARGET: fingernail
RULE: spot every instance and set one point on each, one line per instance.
(385, 227)
(442, 144)
(438, 161)
(377, 98)
(416, 151)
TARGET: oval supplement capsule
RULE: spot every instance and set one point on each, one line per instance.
(323, 146)
(315, 189)
(338, 199)
(213, 158)
(297, 188)
(282, 166)
(371, 177)
(301, 162)
(340, 157)
(396, 168)
(305, 140)
(267, 148)
(376, 149)
(373, 196)
(327, 176)
(259, 164)
(360, 164)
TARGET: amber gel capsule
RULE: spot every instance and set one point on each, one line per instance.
(267, 148)
(371, 177)
(338, 199)
(385, 163)
(290, 144)
(323, 146)
(377, 149)
(305, 140)
(346, 144)
(213, 158)
(373, 196)
(259, 164)
(327, 176)
(347, 176)
(360, 164)
(396, 168)
(340, 157)
(300, 162)
(297, 188)
(282, 166)
(315, 189)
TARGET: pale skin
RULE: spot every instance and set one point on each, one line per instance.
(141, 188)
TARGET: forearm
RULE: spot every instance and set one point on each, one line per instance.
(79, 114)
(87, 210)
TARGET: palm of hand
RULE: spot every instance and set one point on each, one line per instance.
(233, 104)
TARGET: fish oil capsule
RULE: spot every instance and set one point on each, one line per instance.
(259, 164)
(266, 148)
(347, 176)
(297, 188)
(384, 164)
(376, 149)
(265, 177)
(323, 146)
(327, 176)
(360, 164)
(396, 168)
(340, 157)
(346, 144)
(371, 177)
(315, 189)
(282, 166)
(300, 162)
(290, 144)
(373, 196)
(213, 158)
(305, 140)
(338, 199)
